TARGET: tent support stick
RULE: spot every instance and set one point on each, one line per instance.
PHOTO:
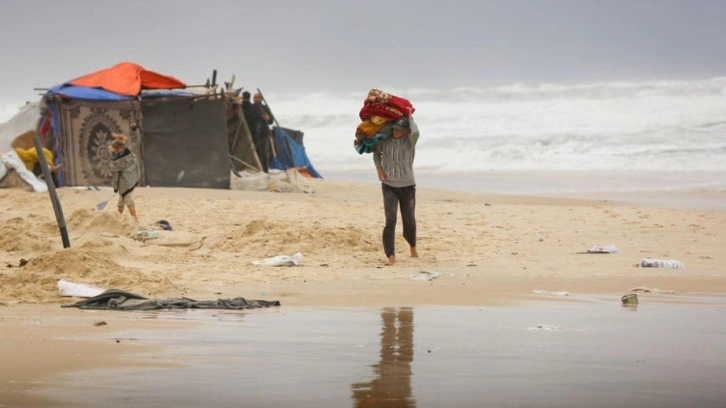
(51, 191)
(243, 162)
(274, 119)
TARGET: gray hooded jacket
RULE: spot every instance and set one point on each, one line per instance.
(126, 173)
(395, 157)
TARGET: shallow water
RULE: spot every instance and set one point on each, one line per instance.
(564, 354)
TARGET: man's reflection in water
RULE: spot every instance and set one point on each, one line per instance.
(392, 385)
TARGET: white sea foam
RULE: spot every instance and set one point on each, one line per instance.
(655, 126)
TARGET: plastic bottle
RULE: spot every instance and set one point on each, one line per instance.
(661, 263)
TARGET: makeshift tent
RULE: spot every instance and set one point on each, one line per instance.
(18, 133)
(291, 152)
(20, 129)
(184, 139)
(13, 173)
(182, 135)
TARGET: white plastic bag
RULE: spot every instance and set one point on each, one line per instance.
(66, 288)
(281, 260)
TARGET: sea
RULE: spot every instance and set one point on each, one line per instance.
(545, 138)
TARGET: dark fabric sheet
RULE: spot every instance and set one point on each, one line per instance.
(185, 143)
(118, 299)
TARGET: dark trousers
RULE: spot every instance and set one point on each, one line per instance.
(262, 145)
(392, 197)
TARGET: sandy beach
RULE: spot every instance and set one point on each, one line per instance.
(485, 249)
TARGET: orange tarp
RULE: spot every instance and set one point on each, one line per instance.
(127, 78)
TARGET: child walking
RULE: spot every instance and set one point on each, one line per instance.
(125, 174)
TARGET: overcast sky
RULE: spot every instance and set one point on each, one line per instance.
(293, 46)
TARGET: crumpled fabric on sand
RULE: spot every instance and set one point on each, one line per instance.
(117, 299)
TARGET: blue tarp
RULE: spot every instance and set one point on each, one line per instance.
(290, 153)
(97, 94)
(91, 94)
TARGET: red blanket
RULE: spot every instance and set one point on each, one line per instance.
(380, 103)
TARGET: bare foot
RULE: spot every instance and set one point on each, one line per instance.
(414, 253)
(391, 260)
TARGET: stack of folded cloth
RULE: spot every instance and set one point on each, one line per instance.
(380, 113)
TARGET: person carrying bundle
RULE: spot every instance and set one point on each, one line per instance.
(393, 156)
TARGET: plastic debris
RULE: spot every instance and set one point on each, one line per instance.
(603, 249)
(661, 263)
(651, 290)
(163, 224)
(66, 288)
(543, 327)
(630, 299)
(426, 276)
(556, 293)
(147, 234)
(281, 260)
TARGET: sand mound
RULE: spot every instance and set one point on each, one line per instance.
(83, 221)
(37, 281)
(266, 238)
(20, 235)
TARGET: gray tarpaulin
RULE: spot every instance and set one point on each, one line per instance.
(185, 143)
(122, 300)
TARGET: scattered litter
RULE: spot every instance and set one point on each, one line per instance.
(660, 263)
(651, 290)
(557, 293)
(147, 234)
(100, 323)
(289, 181)
(630, 299)
(281, 260)
(163, 224)
(543, 327)
(66, 288)
(22, 262)
(426, 276)
(100, 206)
(603, 249)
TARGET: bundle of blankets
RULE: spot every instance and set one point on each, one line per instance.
(380, 113)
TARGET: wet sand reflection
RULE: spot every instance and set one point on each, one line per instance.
(391, 386)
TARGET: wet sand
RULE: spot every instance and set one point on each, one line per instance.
(580, 351)
(489, 251)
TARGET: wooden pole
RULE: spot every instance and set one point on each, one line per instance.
(243, 163)
(51, 191)
(274, 119)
